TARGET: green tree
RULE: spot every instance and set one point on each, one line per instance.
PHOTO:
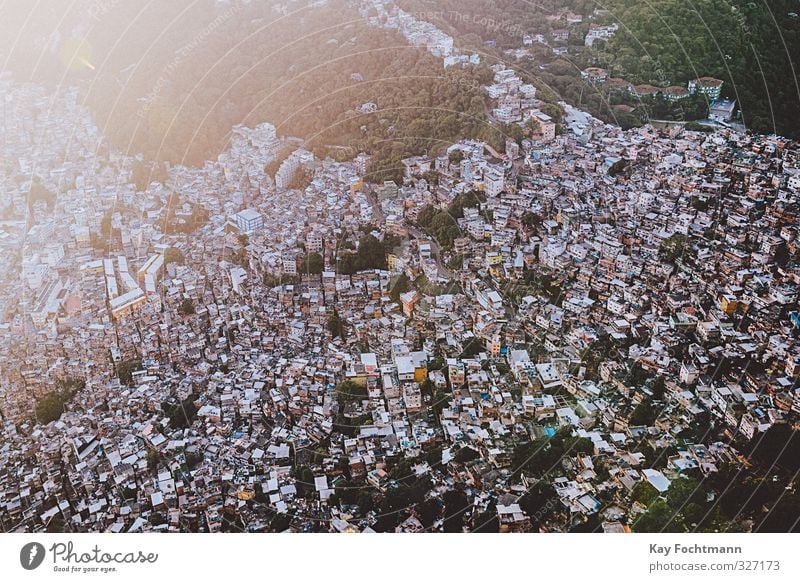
(173, 255)
(313, 263)
(465, 455)
(336, 325)
(539, 502)
(780, 445)
(644, 493)
(658, 518)
(349, 390)
(186, 307)
(152, 459)
(644, 414)
(125, 370)
(455, 156)
(51, 406)
(673, 247)
(401, 285)
(182, 414)
(455, 509)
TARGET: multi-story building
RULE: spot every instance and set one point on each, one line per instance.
(708, 86)
(249, 220)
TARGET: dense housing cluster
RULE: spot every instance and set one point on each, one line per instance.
(574, 333)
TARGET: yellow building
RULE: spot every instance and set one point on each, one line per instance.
(729, 304)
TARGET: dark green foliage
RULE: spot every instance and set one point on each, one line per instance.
(304, 481)
(152, 459)
(444, 229)
(685, 506)
(537, 457)
(439, 401)
(644, 493)
(543, 284)
(658, 517)
(456, 506)
(673, 247)
(433, 457)
(313, 264)
(469, 199)
(347, 491)
(465, 455)
(471, 349)
(183, 414)
(186, 307)
(56, 525)
(532, 220)
(280, 522)
(780, 446)
(644, 414)
(336, 325)
(544, 456)
(486, 522)
(694, 126)
(365, 501)
(456, 262)
(749, 45)
(399, 499)
(539, 502)
(401, 285)
(426, 215)
(193, 459)
(436, 363)
(349, 390)
(782, 517)
(371, 254)
(428, 511)
(617, 167)
(51, 406)
(173, 255)
(591, 525)
(442, 224)
(125, 370)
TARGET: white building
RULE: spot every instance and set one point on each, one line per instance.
(249, 221)
(493, 181)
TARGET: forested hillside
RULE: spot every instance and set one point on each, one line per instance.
(754, 46)
(171, 79)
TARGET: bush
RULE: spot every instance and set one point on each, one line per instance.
(51, 406)
(465, 455)
(125, 370)
(313, 264)
(173, 255)
(186, 307)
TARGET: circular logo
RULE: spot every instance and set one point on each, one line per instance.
(31, 555)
